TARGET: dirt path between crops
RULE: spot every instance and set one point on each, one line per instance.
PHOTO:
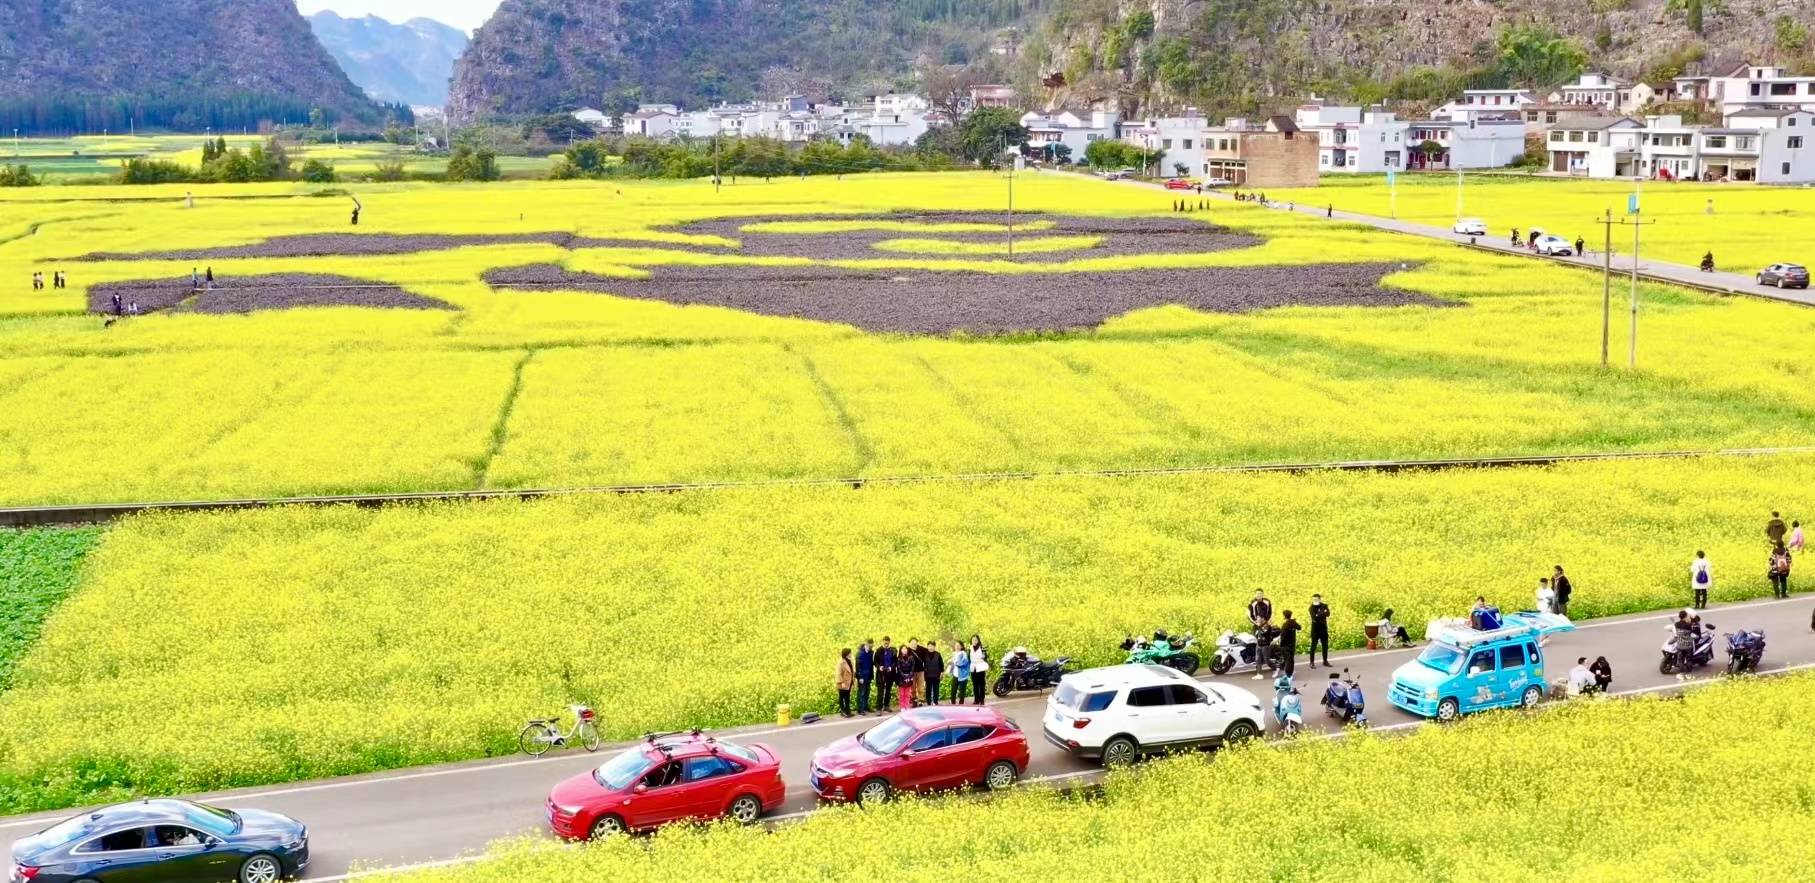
(246, 294)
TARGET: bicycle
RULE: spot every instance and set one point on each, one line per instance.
(540, 735)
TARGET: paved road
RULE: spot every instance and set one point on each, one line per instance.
(436, 814)
(1499, 240)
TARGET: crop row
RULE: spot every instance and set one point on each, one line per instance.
(342, 640)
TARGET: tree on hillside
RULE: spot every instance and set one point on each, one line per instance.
(988, 132)
(948, 87)
(1536, 57)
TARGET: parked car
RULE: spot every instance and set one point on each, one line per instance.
(1112, 175)
(1464, 670)
(1554, 245)
(1179, 184)
(1128, 172)
(153, 841)
(668, 777)
(1470, 227)
(1784, 276)
(1217, 182)
(1123, 711)
(926, 749)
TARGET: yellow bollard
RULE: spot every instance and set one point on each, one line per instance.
(783, 715)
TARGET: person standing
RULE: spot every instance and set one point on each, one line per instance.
(932, 666)
(1579, 244)
(1780, 572)
(1559, 583)
(1547, 597)
(1260, 610)
(979, 668)
(1701, 579)
(1774, 529)
(960, 670)
(195, 279)
(1288, 644)
(866, 673)
(119, 307)
(1795, 544)
(208, 279)
(1320, 630)
(906, 671)
(847, 678)
(38, 281)
(885, 674)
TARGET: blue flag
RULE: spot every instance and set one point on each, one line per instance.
(1632, 204)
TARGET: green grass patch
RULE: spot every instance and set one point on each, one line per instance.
(37, 569)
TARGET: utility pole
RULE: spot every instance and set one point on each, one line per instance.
(1632, 353)
(1011, 199)
(1606, 284)
(716, 177)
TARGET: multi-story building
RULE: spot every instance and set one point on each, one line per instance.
(1070, 129)
(652, 120)
(991, 95)
(1594, 147)
(1275, 154)
(1484, 143)
(1541, 116)
(1489, 102)
(1353, 139)
(1610, 94)
(1781, 145)
(1746, 87)
(1768, 146)
(1179, 140)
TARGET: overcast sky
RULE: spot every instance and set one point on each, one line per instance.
(463, 14)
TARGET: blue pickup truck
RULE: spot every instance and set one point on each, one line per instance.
(1465, 670)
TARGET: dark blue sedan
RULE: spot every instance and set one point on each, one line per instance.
(154, 841)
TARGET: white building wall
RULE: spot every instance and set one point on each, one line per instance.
(1786, 156)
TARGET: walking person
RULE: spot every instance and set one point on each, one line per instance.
(37, 281)
(885, 675)
(960, 671)
(1320, 630)
(1701, 579)
(119, 308)
(1547, 597)
(1795, 544)
(1780, 572)
(1579, 244)
(1774, 529)
(195, 279)
(1260, 610)
(847, 678)
(208, 279)
(906, 672)
(1559, 583)
(979, 668)
(932, 666)
(866, 674)
(1515, 237)
(1288, 644)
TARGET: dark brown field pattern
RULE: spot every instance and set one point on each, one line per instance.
(1120, 236)
(245, 294)
(941, 302)
(321, 245)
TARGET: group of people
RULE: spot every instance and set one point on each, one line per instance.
(1251, 197)
(58, 279)
(1554, 592)
(1786, 542)
(1530, 242)
(1589, 677)
(911, 675)
(201, 281)
(1276, 647)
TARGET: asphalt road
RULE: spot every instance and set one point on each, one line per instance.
(437, 815)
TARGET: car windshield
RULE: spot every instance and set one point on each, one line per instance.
(213, 819)
(888, 737)
(618, 772)
(738, 751)
(1442, 657)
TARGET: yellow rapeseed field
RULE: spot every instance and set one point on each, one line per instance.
(361, 639)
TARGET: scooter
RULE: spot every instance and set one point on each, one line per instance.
(1343, 699)
(1703, 653)
(1288, 708)
(1234, 649)
(1745, 650)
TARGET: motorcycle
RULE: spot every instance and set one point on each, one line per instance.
(1163, 650)
(1344, 700)
(1745, 650)
(1234, 649)
(1023, 672)
(1288, 708)
(1703, 653)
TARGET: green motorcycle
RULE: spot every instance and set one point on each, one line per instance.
(1164, 650)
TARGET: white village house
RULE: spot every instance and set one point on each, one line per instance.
(1767, 146)
(1353, 139)
(1482, 143)
(1612, 95)
(1071, 129)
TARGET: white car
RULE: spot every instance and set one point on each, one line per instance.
(1470, 227)
(1554, 245)
(1118, 713)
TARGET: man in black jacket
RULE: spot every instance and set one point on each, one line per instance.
(1288, 644)
(885, 675)
(1260, 610)
(1560, 584)
(933, 668)
(1320, 630)
(866, 672)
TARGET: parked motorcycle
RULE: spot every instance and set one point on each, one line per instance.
(1023, 672)
(1703, 654)
(1745, 650)
(1288, 707)
(1234, 649)
(1163, 649)
(1343, 699)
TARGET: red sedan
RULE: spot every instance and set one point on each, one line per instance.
(1179, 184)
(926, 749)
(666, 778)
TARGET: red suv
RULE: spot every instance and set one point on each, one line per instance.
(926, 749)
(1179, 184)
(670, 777)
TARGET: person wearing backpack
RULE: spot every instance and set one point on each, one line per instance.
(1701, 579)
(1780, 572)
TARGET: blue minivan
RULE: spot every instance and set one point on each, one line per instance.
(1464, 670)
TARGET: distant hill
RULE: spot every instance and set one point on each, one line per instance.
(541, 55)
(85, 65)
(408, 63)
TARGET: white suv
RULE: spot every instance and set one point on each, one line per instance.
(1123, 711)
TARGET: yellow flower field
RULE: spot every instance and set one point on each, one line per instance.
(362, 639)
(607, 385)
(1593, 791)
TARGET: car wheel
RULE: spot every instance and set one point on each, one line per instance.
(606, 826)
(1000, 775)
(261, 868)
(1239, 732)
(1533, 695)
(1782, 283)
(1119, 751)
(1761, 278)
(745, 810)
(1449, 710)
(873, 791)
